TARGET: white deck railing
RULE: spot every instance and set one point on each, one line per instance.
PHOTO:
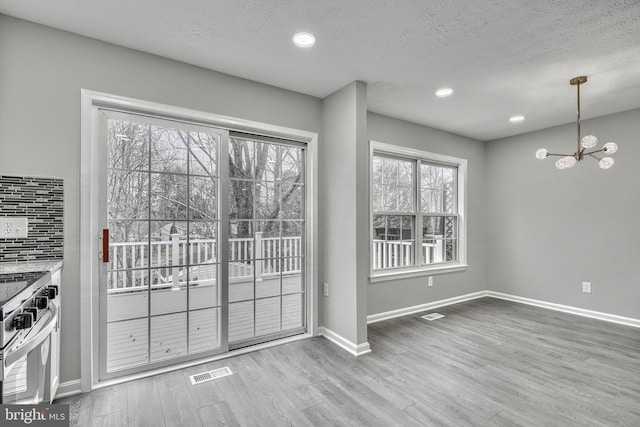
(168, 259)
(395, 253)
(392, 253)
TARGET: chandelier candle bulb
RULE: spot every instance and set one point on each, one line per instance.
(541, 153)
(610, 147)
(569, 162)
(589, 141)
(606, 162)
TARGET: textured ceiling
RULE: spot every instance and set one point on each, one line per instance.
(502, 57)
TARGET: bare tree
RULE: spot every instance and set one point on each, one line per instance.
(160, 177)
(265, 184)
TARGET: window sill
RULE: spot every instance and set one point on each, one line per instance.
(383, 276)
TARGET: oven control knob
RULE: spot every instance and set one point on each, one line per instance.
(50, 292)
(23, 321)
(54, 288)
(41, 302)
(33, 311)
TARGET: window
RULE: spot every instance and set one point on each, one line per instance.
(417, 215)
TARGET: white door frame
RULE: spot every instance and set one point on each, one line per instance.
(91, 101)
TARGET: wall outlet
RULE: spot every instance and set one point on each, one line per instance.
(326, 289)
(430, 281)
(13, 228)
(586, 287)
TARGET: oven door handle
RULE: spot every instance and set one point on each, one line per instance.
(13, 355)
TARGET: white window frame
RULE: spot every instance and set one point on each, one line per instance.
(381, 148)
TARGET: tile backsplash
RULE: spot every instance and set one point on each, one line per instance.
(41, 200)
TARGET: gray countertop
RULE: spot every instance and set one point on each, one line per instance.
(29, 266)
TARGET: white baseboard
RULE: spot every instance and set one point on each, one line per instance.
(629, 321)
(69, 388)
(355, 349)
(378, 317)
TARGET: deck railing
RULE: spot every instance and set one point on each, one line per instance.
(398, 253)
(248, 257)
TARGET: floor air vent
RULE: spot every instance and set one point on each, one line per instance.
(210, 375)
(432, 316)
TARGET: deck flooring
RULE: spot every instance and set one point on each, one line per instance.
(488, 362)
(172, 332)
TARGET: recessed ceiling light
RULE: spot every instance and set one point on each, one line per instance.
(516, 119)
(304, 39)
(444, 92)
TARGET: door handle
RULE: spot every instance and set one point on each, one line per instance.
(105, 245)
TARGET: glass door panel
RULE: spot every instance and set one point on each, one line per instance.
(161, 299)
(266, 244)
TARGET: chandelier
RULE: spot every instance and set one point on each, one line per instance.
(567, 161)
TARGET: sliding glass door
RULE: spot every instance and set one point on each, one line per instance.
(206, 248)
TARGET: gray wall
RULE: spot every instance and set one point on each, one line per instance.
(42, 72)
(395, 294)
(550, 230)
(343, 209)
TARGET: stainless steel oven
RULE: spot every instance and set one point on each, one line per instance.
(29, 318)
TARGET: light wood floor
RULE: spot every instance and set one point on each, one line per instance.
(487, 363)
